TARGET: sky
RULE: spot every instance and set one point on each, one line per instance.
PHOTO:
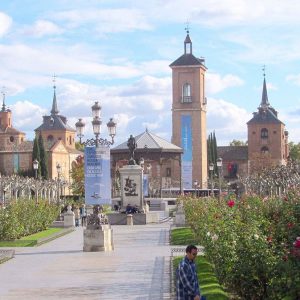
(119, 52)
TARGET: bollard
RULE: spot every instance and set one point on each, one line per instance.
(129, 220)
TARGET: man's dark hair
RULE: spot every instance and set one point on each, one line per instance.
(189, 248)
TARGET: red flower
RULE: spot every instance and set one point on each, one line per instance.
(269, 239)
(297, 243)
(231, 203)
(290, 225)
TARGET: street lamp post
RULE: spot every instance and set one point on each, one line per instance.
(219, 165)
(211, 170)
(35, 164)
(58, 168)
(96, 122)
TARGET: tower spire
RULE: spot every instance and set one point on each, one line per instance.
(264, 97)
(3, 99)
(54, 110)
(187, 41)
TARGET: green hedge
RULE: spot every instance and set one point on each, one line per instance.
(25, 217)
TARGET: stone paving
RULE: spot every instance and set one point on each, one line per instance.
(138, 268)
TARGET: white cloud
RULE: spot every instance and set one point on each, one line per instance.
(27, 116)
(228, 120)
(5, 23)
(224, 13)
(215, 83)
(42, 28)
(105, 20)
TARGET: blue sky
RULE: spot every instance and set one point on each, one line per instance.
(118, 53)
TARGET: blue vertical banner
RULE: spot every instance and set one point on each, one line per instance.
(187, 157)
(97, 179)
(146, 185)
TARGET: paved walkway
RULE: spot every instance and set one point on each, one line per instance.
(138, 268)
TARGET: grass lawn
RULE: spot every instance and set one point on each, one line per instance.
(208, 281)
(182, 236)
(30, 240)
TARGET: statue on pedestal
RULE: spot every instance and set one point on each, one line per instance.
(131, 144)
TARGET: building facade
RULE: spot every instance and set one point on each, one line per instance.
(161, 162)
(189, 115)
(59, 141)
(267, 137)
(267, 143)
(15, 152)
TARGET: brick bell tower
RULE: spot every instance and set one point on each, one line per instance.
(189, 115)
(267, 136)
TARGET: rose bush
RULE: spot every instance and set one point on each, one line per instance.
(25, 217)
(252, 242)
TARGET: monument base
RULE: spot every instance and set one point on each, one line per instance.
(96, 240)
(137, 219)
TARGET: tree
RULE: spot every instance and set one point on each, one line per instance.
(238, 143)
(212, 154)
(43, 158)
(77, 175)
(36, 154)
(79, 146)
(294, 151)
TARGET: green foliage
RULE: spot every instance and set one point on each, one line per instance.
(77, 174)
(251, 243)
(30, 240)
(43, 158)
(182, 236)
(294, 150)
(212, 154)
(238, 143)
(79, 146)
(208, 282)
(25, 217)
(36, 154)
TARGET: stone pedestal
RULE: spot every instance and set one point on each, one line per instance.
(180, 216)
(69, 218)
(132, 186)
(129, 219)
(96, 240)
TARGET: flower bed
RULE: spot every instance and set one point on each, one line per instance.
(253, 243)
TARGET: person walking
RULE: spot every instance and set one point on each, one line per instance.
(77, 216)
(83, 215)
(187, 285)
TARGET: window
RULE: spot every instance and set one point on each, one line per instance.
(186, 93)
(264, 133)
(168, 172)
(11, 139)
(50, 138)
(264, 150)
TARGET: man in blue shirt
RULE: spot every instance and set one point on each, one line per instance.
(187, 286)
